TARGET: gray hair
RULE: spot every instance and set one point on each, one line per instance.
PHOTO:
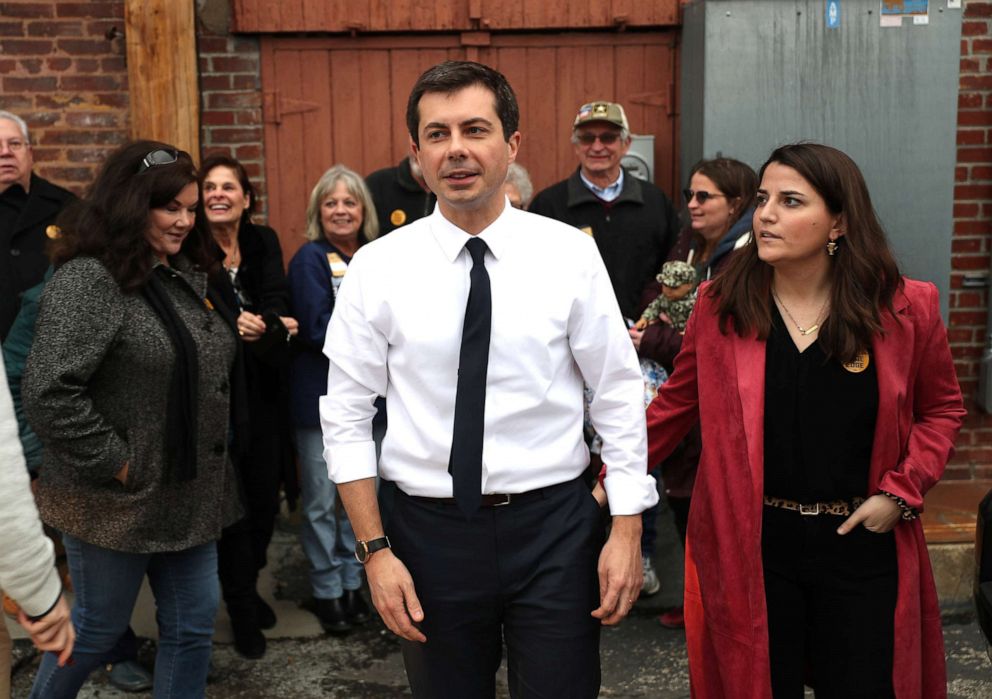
(21, 124)
(356, 187)
(517, 175)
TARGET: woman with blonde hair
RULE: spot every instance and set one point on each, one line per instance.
(340, 219)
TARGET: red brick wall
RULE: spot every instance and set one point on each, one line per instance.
(972, 241)
(63, 70)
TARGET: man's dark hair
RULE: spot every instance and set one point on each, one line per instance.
(452, 76)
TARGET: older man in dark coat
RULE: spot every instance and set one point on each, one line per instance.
(28, 207)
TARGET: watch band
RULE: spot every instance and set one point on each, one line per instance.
(364, 549)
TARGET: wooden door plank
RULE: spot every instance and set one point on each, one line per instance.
(379, 118)
(570, 78)
(244, 15)
(267, 16)
(547, 130)
(404, 69)
(348, 119)
(162, 72)
(394, 15)
(288, 179)
(291, 15)
(659, 75)
(317, 86)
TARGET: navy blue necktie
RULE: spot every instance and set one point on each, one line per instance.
(465, 462)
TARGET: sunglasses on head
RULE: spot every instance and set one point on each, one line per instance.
(607, 138)
(159, 156)
(701, 196)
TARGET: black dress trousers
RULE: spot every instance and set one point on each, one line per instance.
(524, 573)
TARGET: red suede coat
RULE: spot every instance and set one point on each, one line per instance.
(720, 381)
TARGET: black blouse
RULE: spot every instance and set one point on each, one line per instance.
(819, 421)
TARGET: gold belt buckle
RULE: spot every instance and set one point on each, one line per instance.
(813, 509)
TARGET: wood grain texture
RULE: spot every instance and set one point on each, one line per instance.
(449, 15)
(162, 72)
(353, 93)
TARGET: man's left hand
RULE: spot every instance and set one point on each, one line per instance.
(620, 573)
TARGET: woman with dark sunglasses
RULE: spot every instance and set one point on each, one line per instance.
(720, 202)
(253, 261)
(130, 385)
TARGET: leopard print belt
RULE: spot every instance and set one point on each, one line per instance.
(843, 508)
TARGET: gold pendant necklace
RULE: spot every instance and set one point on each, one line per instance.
(802, 331)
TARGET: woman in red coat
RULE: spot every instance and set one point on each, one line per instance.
(828, 403)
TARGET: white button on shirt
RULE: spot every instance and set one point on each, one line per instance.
(396, 331)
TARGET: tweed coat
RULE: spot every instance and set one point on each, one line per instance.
(719, 380)
(95, 391)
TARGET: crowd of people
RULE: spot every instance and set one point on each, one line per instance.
(451, 378)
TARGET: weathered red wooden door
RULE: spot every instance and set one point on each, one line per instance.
(343, 100)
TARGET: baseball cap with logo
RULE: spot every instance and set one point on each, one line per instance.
(610, 112)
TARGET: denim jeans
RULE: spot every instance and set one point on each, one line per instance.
(326, 534)
(106, 583)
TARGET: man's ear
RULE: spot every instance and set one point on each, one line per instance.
(414, 151)
(513, 145)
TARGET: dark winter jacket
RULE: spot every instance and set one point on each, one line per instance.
(634, 232)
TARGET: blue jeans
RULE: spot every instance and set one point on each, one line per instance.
(106, 583)
(326, 534)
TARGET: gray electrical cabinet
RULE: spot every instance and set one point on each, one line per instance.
(639, 160)
(757, 74)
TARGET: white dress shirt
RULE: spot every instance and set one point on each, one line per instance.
(396, 331)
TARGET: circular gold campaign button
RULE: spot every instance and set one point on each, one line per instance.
(858, 364)
(398, 217)
(53, 232)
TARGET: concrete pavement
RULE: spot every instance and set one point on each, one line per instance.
(640, 658)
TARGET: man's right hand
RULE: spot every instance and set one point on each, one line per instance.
(393, 595)
(53, 632)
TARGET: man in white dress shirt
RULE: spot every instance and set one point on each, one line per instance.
(526, 564)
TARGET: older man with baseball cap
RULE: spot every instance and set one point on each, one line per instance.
(632, 221)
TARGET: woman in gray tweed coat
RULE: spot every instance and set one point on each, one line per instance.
(129, 387)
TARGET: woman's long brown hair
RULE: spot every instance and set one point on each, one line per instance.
(863, 272)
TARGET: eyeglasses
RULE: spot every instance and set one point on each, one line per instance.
(158, 157)
(701, 196)
(607, 138)
(15, 146)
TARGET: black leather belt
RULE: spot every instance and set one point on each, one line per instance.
(496, 499)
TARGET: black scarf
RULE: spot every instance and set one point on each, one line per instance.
(181, 420)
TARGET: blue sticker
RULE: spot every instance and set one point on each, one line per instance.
(833, 14)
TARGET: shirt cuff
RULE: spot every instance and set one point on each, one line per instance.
(51, 590)
(630, 494)
(351, 462)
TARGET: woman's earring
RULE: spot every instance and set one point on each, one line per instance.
(831, 247)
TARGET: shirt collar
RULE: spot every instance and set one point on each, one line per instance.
(610, 192)
(452, 239)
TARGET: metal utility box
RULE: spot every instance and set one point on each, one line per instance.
(640, 158)
(761, 73)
